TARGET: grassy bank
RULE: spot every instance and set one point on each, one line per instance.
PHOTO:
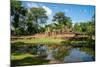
(51, 41)
(20, 56)
(86, 43)
(40, 40)
(27, 59)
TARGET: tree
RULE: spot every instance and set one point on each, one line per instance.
(90, 29)
(24, 22)
(39, 15)
(36, 18)
(77, 27)
(85, 27)
(63, 20)
(93, 19)
(14, 14)
(18, 14)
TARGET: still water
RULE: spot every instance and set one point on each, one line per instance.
(76, 55)
(64, 54)
(36, 54)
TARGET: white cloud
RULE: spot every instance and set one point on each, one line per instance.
(30, 5)
(48, 10)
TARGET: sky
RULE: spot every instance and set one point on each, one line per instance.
(77, 13)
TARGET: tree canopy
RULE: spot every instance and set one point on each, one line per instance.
(28, 21)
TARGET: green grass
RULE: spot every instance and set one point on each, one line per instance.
(27, 59)
(19, 57)
(40, 40)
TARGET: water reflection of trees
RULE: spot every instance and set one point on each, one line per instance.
(88, 51)
(61, 53)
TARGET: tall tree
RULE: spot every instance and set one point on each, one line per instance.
(39, 15)
(18, 14)
(63, 20)
(32, 27)
(36, 18)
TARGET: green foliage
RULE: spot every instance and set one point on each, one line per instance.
(85, 27)
(39, 15)
(61, 53)
(18, 21)
(31, 21)
(26, 21)
(88, 43)
(62, 19)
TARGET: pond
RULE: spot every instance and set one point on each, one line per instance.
(52, 54)
(76, 55)
(66, 54)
